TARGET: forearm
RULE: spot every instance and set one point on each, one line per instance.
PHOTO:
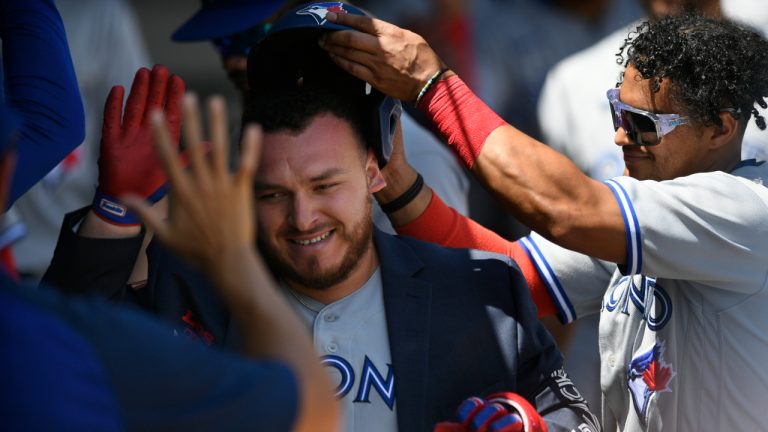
(92, 265)
(443, 225)
(549, 194)
(271, 330)
(41, 86)
(540, 187)
(95, 227)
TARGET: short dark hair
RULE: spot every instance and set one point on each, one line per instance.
(711, 65)
(293, 110)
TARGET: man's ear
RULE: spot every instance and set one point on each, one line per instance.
(725, 134)
(376, 181)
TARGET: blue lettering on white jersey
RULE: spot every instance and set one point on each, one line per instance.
(345, 370)
(370, 377)
(647, 296)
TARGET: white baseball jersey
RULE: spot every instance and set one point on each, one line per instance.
(352, 339)
(683, 338)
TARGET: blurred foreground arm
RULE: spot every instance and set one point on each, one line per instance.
(212, 225)
(41, 87)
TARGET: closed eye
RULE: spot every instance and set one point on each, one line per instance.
(326, 187)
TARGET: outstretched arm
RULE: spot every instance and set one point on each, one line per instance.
(212, 225)
(541, 188)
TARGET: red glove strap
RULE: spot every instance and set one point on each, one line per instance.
(463, 119)
(517, 404)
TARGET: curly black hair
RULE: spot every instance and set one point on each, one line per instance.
(710, 64)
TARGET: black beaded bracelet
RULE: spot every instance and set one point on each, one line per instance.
(404, 199)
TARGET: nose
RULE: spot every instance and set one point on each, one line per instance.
(621, 138)
(303, 215)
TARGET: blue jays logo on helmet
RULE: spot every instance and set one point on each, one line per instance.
(288, 57)
(648, 375)
(318, 11)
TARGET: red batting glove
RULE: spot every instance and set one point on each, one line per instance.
(127, 163)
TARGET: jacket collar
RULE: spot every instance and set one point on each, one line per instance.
(407, 301)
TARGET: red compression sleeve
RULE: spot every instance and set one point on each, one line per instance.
(463, 119)
(445, 226)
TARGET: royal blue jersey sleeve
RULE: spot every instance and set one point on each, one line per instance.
(41, 86)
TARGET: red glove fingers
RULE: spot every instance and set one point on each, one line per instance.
(128, 163)
(137, 100)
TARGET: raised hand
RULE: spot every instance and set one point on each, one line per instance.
(128, 162)
(211, 210)
(395, 61)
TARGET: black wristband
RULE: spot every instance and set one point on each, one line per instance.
(404, 199)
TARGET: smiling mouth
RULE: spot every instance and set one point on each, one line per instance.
(630, 155)
(313, 240)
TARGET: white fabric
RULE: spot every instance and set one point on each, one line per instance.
(347, 334)
(106, 45)
(698, 298)
(751, 12)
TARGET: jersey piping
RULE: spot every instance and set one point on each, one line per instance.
(634, 264)
(565, 311)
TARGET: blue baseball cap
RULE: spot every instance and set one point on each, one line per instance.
(217, 18)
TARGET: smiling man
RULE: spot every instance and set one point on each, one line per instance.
(406, 329)
(383, 310)
(682, 334)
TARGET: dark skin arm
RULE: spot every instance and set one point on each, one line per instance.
(541, 188)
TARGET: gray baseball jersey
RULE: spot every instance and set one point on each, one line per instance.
(351, 337)
(683, 342)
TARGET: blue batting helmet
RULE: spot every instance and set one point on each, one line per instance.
(289, 57)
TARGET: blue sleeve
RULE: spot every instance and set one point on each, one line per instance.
(47, 365)
(41, 86)
(165, 382)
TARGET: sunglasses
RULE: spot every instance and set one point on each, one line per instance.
(643, 127)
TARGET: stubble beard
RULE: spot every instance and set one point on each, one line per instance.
(360, 240)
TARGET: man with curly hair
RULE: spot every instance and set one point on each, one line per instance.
(682, 338)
